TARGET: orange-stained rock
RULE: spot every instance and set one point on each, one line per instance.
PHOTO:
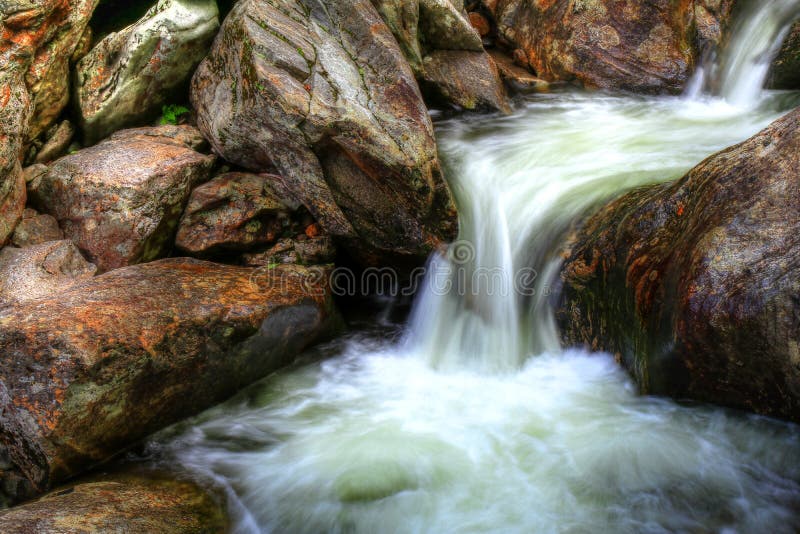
(480, 23)
(516, 78)
(695, 285)
(649, 47)
(119, 503)
(120, 201)
(89, 371)
(36, 42)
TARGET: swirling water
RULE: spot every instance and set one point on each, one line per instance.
(471, 418)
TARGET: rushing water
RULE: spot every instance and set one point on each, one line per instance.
(472, 418)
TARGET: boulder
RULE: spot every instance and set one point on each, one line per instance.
(694, 285)
(40, 270)
(120, 201)
(785, 70)
(234, 211)
(38, 39)
(519, 79)
(320, 90)
(466, 79)
(119, 503)
(129, 75)
(35, 228)
(89, 371)
(446, 52)
(648, 47)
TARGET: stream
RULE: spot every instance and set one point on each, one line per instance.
(471, 417)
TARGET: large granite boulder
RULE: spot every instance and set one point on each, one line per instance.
(694, 285)
(120, 201)
(40, 270)
(446, 52)
(129, 75)
(649, 47)
(119, 503)
(320, 90)
(87, 372)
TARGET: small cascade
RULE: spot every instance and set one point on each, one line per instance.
(738, 75)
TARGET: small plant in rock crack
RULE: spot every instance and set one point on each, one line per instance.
(171, 114)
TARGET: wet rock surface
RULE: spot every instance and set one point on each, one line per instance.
(127, 77)
(120, 201)
(40, 270)
(321, 91)
(694, 285)
(90, 370)
(119, 503)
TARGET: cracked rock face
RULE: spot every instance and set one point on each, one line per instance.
(92, 369)
(120, 201)
(695, 285)
(127, 77)
(647, 47)
(322, 91)
(445, 52)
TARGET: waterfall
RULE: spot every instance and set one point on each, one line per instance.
(738, 75)
(477, 420)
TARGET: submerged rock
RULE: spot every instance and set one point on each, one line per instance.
(694, 285)
(40, 270)
(87, 372)
(649, 47)
(120, 201)
(234, 211)
(785, 70)
(322, 91)
(119, 503)
(130, 74)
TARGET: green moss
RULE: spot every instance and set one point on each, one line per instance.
(171, 113)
